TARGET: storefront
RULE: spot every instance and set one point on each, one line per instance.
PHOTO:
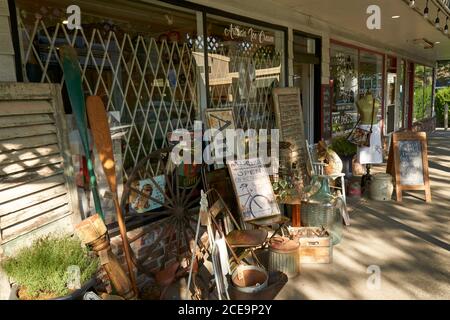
(158, 66)
(246, 58)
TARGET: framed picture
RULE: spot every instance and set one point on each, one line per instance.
(220, 119)
(144, 202)
(253, 189)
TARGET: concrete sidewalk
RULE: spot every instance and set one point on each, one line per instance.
(409, 242)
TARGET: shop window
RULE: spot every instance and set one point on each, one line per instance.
(245, 64)
(423, 92)
(371, 76)
(344, 77)
(139, 58)
(354, 72)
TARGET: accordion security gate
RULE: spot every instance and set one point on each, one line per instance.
(156, 85)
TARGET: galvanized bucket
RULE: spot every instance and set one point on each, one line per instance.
(249, 279)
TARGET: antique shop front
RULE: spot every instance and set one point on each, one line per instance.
(307, 68)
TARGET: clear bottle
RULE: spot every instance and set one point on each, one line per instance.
(322, 209)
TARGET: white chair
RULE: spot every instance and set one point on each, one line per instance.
(317, 168)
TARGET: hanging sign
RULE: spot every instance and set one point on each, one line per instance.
(408, 163)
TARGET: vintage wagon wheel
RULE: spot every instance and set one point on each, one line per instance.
(176, 203)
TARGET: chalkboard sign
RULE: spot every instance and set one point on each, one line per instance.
(408, 162)
(289, 120)
(411, 168)
(326, 111)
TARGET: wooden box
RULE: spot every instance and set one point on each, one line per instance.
(314, 246)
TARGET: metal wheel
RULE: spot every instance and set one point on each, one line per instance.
(176, 202)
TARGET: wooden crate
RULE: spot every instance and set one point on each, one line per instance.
(313, 249)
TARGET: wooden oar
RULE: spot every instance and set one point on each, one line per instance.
(72, 76)
(98, 121)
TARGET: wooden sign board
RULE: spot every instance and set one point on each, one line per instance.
(289, 120)
(253, 189)
(408, 163)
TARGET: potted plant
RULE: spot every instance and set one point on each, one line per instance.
(346, 150)
(42, 271)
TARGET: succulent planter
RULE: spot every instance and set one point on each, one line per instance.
(75, 295)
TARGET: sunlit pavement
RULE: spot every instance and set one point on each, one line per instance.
(409, 242)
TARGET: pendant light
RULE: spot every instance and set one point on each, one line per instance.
(446, 26)
(437, 21)
(412, 3)
(426, 11)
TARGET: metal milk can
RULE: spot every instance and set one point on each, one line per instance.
(381, 187)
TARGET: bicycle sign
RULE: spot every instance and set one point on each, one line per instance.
(253, 189)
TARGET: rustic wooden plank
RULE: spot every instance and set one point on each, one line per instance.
(24, 165)
(32, 224)
(29, 142)
(25, 120)
(26, 131)
(63, 141)
(24, 107)
(31, 212)
(29, 176)
(30, 200)
(26, 91)
(29, 188)
(28, 154)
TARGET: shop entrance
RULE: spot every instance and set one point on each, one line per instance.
(306, 74)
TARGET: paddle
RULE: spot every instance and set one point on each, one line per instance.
(98, 121)
(72, 76)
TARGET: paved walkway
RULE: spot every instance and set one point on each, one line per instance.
(410, 242)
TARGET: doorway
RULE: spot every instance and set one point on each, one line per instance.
(306, 76)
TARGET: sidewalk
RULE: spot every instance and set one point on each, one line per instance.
(410, 242)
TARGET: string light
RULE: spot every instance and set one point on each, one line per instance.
(426, 11)
(437, 21)
(412, 3)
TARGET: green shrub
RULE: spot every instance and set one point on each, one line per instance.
(343, 147)
(442, 97)
(42, 268)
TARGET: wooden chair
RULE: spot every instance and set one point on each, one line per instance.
(241, 243)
